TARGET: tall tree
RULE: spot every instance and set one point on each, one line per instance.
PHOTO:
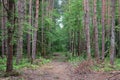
(10, 15)
(21, 7)
(108, 19)
(87, 23)
(3, 32)
(35, 31)
(96, 30)
(103, 29)
(112, 52)
(42, 29)
(29, 35)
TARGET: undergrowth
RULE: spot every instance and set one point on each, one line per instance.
(24, 63)
(101, 66)
(76, 60)
(106, 66)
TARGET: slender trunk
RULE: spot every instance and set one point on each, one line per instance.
(3, 32)
(11, 18)
(103, 29)
(70, 46)
(6, 39)
(29, 35)
(20, 30)
(96, 30)
(79, 41)
(119, 26)
(35, 31)
(72, 43)
(5, 29)
(109, 19)
(87, 22)
(42, 34)
(112, 52)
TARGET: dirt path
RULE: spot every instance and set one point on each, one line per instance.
(58, 69)
(51, 71)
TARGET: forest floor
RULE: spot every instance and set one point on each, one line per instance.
(60, 69)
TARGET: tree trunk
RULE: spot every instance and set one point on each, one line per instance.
(10, 12)
(3, 32)
(79, 42)
(35, 31)
(112, 52)
(103, 29)
(87, 22)
(109, 19)
(42, 33)
(96, 30)
(20, 30)
(29, 35)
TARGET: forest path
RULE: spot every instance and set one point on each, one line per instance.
(58, 69)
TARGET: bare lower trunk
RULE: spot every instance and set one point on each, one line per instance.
(96, 30)
(11, 18)
(42, 33)
(103, 29)
(112, 52)
(87, 22)
(35, 31)
(29, 35)
(79, 42)
(3, 32)
(20, 30)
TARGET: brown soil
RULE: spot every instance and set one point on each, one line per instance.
(60, 70)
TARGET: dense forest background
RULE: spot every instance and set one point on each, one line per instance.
(37, 28)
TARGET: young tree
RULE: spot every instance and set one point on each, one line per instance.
(103, 29)
(3, 32)
(112, 52)
(35, 31)
(29, 35)
(42, 30)
(10, 15)
(108, 18)
(21, 14)
(96, 30)
(87, 23)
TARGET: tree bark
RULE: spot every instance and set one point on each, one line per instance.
(3, 32)
(87, 22)
(42, 31)
(35, 31)
(29, 35)
(103, 29)
(96, 30)
(109, 19)
(10, 12)
(20, 30)
(112, 52)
